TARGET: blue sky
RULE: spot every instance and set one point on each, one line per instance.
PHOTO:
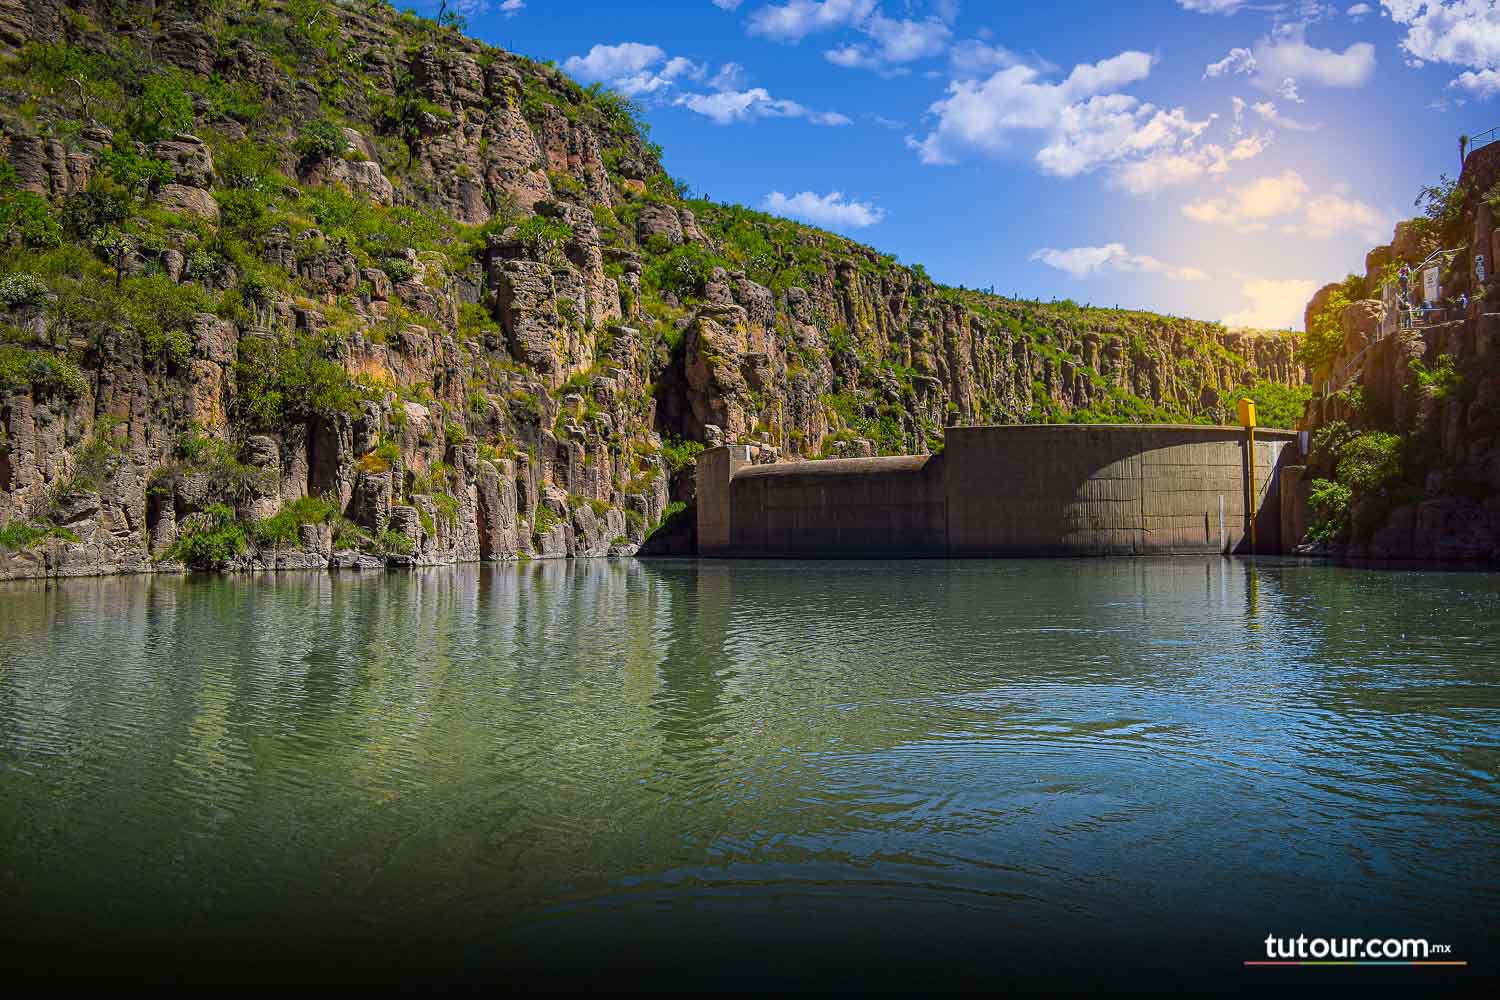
(1211, 158)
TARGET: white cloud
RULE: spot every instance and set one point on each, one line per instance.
(1269, 113)
(731, 76)
(1462, 33)
(973, 56)
(793, 21)
(1284, 61)
(731, 106)
(1111, 128)
(1274, 304)
(831, 209)
(1248, 206)
(904, 41)
(632, 68)
(1170, 168)
(984, 115)
(1081, 262)
(1212, 6)
(1359, 11)
(727, 4)
(1238, 61)
(893, 42)
(1083, 125)
(1286, 201)
(1484, 84)
(1331, 214)
(510, 8)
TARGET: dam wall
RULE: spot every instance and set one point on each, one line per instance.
(1100, 489)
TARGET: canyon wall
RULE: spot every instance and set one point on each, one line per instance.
(1406, 433)
(320, 284)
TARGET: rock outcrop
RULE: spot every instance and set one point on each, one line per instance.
(1421, 405)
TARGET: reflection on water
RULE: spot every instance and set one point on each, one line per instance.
(730, 767)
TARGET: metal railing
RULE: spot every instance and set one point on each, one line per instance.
(1482, 139)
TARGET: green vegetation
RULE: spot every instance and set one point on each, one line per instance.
(1279, 406)
(546, 520)
(96, 461)
(1325, 333)
(211, 540)
(18, 535)
(393, 543)
(1372, 473)
(680, 453)
(282, 381)
(670, 515)
(43, 373)
(217, 460)
(285, 526)
(1439, 382)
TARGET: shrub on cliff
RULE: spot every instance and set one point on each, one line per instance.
(44, 374)
(96, 461)
(1372, 474)
(682, 271)
(25, 217)
(680, 454)
(217, 461)
(211, 541)
(284, 381)
(321, 138)
(22, 290)
(1440, 381)
(163, 108)
(285, 526)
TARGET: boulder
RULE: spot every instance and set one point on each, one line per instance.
(656, 219)
(186, 200)
(366, 178)
(190, 158)
(1361, 324)
(1317, 302)
(1406, 244)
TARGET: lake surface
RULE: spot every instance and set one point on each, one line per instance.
(748, 772)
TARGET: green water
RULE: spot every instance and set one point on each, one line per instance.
(746, 771)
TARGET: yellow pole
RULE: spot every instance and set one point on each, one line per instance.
(1254, 493)
(1247, 421)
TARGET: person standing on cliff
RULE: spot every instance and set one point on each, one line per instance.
(1405, 275)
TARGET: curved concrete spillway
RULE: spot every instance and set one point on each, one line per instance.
(1095, 489)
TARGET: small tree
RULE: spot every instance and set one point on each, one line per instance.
(163, 109)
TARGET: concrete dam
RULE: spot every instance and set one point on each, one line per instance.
(1024, 490)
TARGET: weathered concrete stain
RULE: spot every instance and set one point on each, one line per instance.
(1099, 489)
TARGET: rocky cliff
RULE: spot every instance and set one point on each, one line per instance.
(1405, 462)
(316, 283)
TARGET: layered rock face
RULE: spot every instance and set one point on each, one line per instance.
(452, 298)
(1429, 395)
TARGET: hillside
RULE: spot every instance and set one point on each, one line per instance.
(312, 283)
